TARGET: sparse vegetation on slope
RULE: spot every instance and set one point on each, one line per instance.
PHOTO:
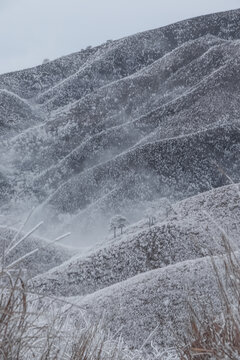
(132, 120)
(148, 124)
(212, 336)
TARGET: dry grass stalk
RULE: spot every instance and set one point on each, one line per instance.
(218, 337)
(28, 332)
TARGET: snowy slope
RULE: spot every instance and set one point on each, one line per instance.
(191, 230)
(16, 114)
(155, 301)
(48, 255)
(109, 128)
(147, 121)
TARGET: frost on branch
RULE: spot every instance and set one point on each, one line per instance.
(118, 222)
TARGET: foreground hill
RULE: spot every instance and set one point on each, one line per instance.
(142, 281)
(191, 229)
(148, 121)
(154, 306)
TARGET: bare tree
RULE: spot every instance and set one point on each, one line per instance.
(45, 61)
(113, 226)
(118, 222)
(122, 222)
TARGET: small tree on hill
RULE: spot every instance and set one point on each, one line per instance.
(150, 214)
(118, 222)
(122, 222)
(113, 226)
(45, 61)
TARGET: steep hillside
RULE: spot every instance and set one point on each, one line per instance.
(191, 229)
(15, 114)
(147, 124)
(109, 128)
(48, 255)
(155, 303)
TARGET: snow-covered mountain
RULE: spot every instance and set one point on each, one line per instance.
(191, 231)
(111, 128)
(143, 281)
(148, 121)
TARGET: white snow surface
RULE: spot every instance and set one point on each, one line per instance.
(109, 129)
(144, 124)
(191, 230)
(144, 279)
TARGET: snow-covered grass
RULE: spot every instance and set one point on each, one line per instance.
(31, 327)
(217, 337)
(34, 326)
(37, 327)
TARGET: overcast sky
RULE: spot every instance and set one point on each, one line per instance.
(31, 30)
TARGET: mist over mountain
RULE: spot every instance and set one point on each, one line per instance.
(147, 124)
(110, 128)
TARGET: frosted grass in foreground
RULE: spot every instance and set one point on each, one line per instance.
(34, 326)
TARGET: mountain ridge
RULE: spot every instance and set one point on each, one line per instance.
(102, 104)
(147, 127)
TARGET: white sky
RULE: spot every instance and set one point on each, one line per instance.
(31, 30)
